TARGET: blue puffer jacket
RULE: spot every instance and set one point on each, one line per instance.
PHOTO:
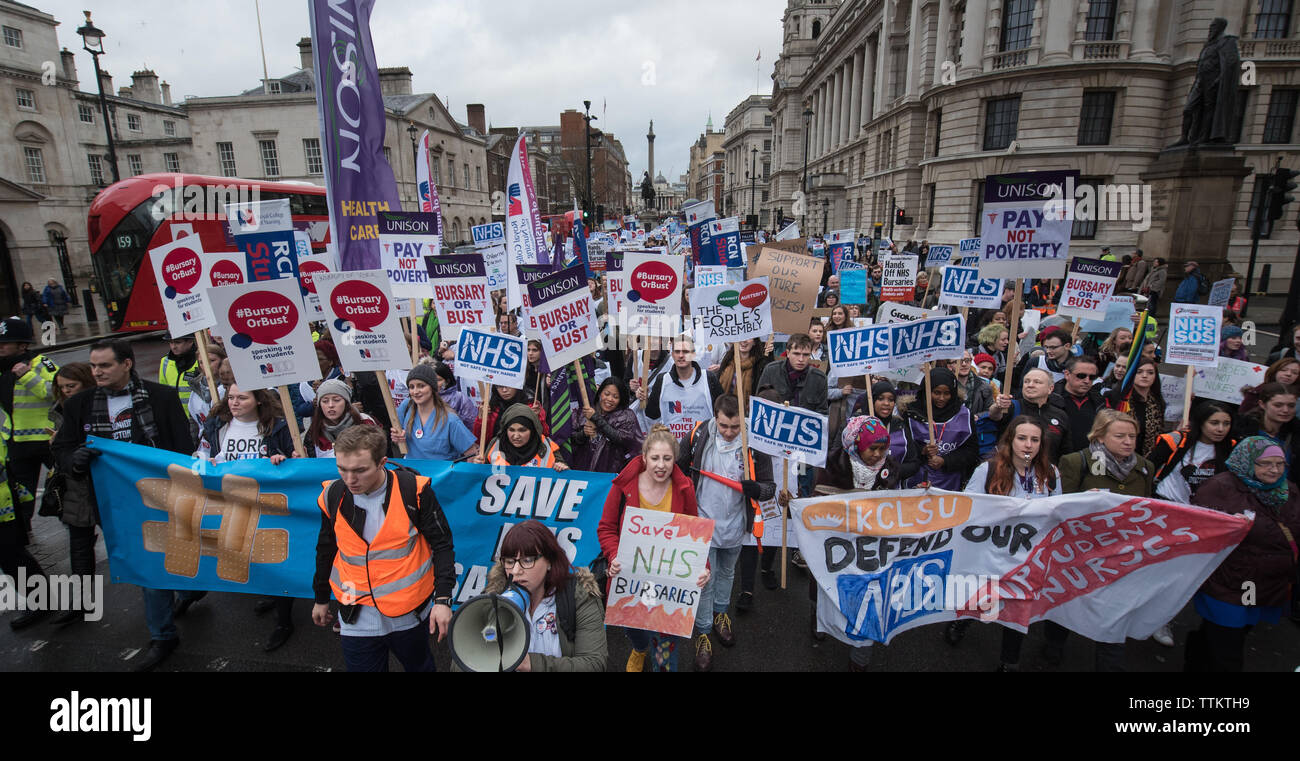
(1189, 289)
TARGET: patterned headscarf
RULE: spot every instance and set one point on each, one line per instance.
(1242, 464)
(861, 432)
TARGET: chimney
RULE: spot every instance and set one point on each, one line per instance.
(124, 92)
(166, 94)
(395, 81)
(69, 64)
(144, 86)
(476, 116)
(106, 81)
(304, 53)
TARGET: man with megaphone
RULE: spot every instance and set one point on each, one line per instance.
(385, 552)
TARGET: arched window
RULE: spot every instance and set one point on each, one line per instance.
(455, 230)
(817, 28)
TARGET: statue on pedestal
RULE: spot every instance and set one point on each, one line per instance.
(1210, 115)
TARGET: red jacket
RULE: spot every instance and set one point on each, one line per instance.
(624, 493)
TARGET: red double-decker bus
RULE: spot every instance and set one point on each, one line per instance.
(130, 217)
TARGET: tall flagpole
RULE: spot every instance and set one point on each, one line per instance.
(266, 76)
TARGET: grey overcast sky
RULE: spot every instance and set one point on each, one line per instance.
(674, 61)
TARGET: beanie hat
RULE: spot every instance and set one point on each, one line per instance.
(444, 372)
(983, 357)
(334, 386)
(1232, 331)
(424, 373)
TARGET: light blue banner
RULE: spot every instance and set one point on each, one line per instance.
(173, 522)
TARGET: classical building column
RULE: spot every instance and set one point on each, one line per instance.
(855, 96)
(1058, 29)
(972, 44)
(868, 83)
(941, 51)
(882, 61)
(913, 50)
(1143, 34)
(837, 100)
(846, 135)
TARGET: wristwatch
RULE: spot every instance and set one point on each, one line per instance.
(442, 601)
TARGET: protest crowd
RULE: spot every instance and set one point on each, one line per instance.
(1066, 405)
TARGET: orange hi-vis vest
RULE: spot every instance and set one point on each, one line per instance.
(494, 456)
(394, 572)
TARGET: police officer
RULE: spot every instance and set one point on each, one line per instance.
(26, 395)
(180, 366)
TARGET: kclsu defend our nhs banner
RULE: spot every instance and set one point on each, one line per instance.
(175, 522)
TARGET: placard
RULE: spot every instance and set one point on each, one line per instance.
(1089, 284)
(794, 280)
(794, 433)
(859, 350)
(1027, 220)
(929, 340)
(1194, 335)
(725, 238)
(1221, 291)
(1119, 314)
(1224, 381)
(841, 248)
(495, 358)
(963, 287)
(898, 277)
(937, 256)
(309, 267)
(905, 313)
(853, 286)
(405, 238)
(565, 318)
(258, 216)
(488, 235)
(460, 293)
(268, 255)
(728, 313)
(178, 273)
(223, 269)
(494, 259)
(265, 330)
(708, 275)
(661, 555)
(653, 300)
(358, 307)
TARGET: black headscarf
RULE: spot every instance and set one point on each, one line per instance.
(519, 413)
(939, 376)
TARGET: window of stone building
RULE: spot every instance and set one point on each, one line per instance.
(1100, 21)
(478, 177)
(85, 113)
(13, 37)
(466, 174)
(26, 99)
(96, 163)
(1086, 229)
(816, 28)
(1000, 118)
(929, 194)
(270, 158)
(1272, 23)
(978, 225)
(1280, 121)
(388, 155)
(1243, 106)
(451, 171)
(172, 161)
(311, 154)
(226, 157)
(135, 165)
(1095, 117)
(169, 128)
(133, 122)
(35, 163)
(1017, 24)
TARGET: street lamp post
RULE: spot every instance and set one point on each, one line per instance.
(588, 118)
(415, 160)
(752, 179)
(92, 40)
(807, 121)
(826, 213)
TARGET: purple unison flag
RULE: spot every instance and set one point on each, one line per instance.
(358, 180)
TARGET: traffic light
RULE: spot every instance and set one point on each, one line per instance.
(1284, 181)
(586, 218)
(600, 214)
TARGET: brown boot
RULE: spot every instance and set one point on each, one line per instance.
(703, 653)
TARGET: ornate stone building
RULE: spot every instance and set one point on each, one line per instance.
(913, 102)
(747, 143)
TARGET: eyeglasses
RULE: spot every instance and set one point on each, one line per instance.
(524, 562)
(1085, 376)
(1270, 465)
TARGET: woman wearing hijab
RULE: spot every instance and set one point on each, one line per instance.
(611, 433)
(521, 441)
(1265, 560)
(499, 400)
(902, 449)
(947, 462)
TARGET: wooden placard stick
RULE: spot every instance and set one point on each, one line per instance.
(415, 339)
(1013, 337)
(202, 339)
(1187, 397)
(929, 403)
(785, 513)
(391, 406)
(291, 418)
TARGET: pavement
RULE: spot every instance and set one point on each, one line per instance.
(222, 632)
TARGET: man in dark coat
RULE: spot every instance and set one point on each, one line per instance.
(124, 407)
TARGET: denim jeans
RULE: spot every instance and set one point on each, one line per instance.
(715, 597)
(643, 640)
(411, 646)
(158, 611)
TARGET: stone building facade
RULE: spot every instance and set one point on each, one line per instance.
(747, 143)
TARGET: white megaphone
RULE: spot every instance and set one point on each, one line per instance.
(491, 632)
